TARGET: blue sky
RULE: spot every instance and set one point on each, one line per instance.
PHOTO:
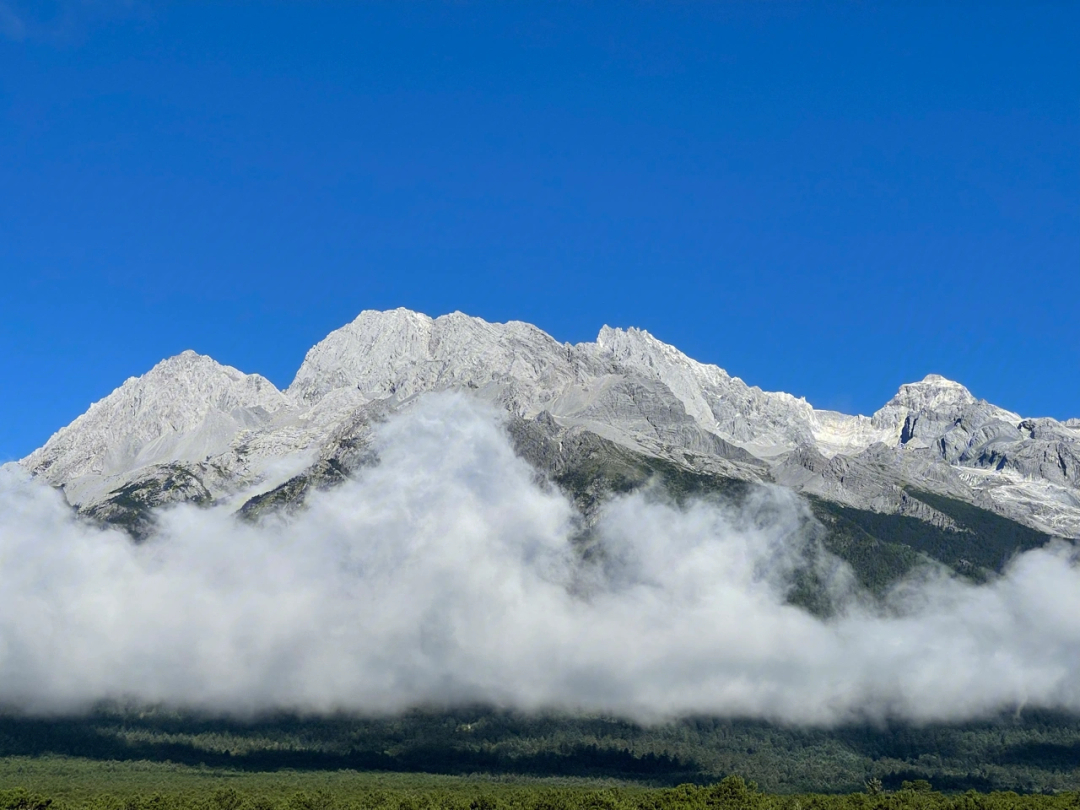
(826, 198)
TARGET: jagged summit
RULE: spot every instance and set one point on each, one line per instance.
(185, 408)
(232, 433)
(924, 411)
(400, 353)
(933, 389)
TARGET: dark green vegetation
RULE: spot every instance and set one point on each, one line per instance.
(131, 506)
(1035, 753)
(882, 548)
(59, 784)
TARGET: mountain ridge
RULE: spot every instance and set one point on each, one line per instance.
(235, 436)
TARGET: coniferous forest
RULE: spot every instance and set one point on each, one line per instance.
(149, 750)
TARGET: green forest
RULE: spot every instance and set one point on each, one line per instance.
(1037, 752)
(74, 786)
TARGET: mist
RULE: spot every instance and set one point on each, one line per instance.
(447, 575)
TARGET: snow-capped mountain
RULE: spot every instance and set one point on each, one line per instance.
(192, 429)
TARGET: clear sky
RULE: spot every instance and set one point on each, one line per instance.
(829, 199)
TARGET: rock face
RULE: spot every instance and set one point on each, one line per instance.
(191, 429)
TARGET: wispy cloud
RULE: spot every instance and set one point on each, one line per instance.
(446, 574)
(60, 21)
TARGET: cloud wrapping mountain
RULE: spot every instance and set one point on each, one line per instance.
(447, 574)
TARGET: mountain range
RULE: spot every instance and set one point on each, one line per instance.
(934, 473)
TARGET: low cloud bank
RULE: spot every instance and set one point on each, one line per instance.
(446, 575)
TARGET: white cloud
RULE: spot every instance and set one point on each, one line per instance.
(445, 574)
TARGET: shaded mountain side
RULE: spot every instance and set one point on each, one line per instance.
(289, 497)
(881, 548)
(996, 539)
(1032, 753)
(877, 557)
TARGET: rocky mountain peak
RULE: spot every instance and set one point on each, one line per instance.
(401, 353)
(932, 392)
(642, 350)
(188, 355)
(197, 383)
(363, 354)
(186, 407)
